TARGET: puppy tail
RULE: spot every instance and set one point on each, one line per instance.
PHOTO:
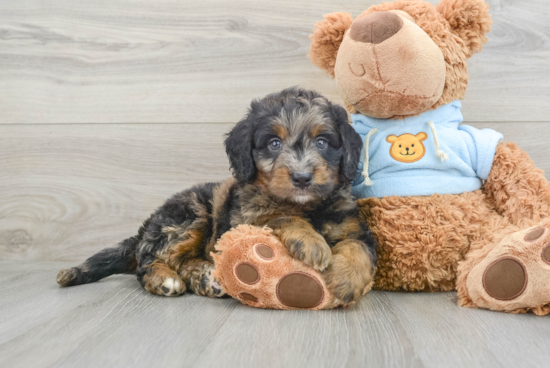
(109, 261)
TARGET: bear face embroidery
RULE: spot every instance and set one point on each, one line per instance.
(407, 147)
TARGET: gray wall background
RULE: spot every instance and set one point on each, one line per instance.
(109, 107)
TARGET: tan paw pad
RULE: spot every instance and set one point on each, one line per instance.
(505, 279)
(264, 251)
(247, 273)
(534, 234)
(546, 254)
(249, 297)
(300, 290)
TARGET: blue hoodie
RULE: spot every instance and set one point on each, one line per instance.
(407, 159)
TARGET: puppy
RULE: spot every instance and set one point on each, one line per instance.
(292, 157)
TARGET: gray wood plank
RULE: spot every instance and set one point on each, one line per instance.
(203, 61)
(67, 191)
(368, 334)
(444, 334)
(111, 323)
(59, 182)
(114, 323)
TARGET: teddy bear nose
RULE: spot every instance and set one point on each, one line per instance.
(376, 27)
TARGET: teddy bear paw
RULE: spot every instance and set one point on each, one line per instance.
(515, 274)
(254, 267)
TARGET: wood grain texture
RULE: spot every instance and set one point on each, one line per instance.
(60, 182)
(89, 94)
(115, 323)
(149, 61)
(67, 191)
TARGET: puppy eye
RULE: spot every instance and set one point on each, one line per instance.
(399, 146)
(412, 145)
(322, 143)
(275, 144)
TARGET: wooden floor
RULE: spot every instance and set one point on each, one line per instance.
(107, 107)
(114, 323)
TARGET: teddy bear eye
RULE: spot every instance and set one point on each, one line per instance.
(399, 146)
(412, 145)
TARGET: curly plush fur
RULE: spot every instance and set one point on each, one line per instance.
(469, 20)
(326, 39)
(432, 243)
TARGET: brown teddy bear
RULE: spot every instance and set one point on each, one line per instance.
(452, 207)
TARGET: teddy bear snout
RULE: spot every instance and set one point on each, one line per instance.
(375, 28)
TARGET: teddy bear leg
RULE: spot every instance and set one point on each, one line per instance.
(518, 189)
(254, 267)
(510, 272)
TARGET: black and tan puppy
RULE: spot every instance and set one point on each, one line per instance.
(292, 156)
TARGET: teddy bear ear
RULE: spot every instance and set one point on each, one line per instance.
(326, 39)
(391, 138)
(422, 136)
(469, 19)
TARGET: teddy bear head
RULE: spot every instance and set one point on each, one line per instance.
(402, 58)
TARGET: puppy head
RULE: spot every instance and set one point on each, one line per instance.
(295, 144)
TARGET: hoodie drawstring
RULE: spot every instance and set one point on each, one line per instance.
(439, 153)
(368, 181)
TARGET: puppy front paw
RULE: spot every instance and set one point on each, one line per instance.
(161, 280)
(347, 286)
(171, 286)
(309, 247)
(200, 279)
(350, 274)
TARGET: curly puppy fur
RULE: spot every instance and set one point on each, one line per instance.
(292, 156)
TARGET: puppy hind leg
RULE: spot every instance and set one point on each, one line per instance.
(109, 261)
(197, 275)
(158, 278)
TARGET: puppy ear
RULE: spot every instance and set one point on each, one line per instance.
(326, 39)
(469, 19)
(238, 146)
(351, 143)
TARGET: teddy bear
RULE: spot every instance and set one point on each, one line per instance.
(452, 207)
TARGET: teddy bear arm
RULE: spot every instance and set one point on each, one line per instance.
(518, 189)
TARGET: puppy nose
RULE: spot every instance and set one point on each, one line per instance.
(407, 148)
(301, 179)
(376, 27)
